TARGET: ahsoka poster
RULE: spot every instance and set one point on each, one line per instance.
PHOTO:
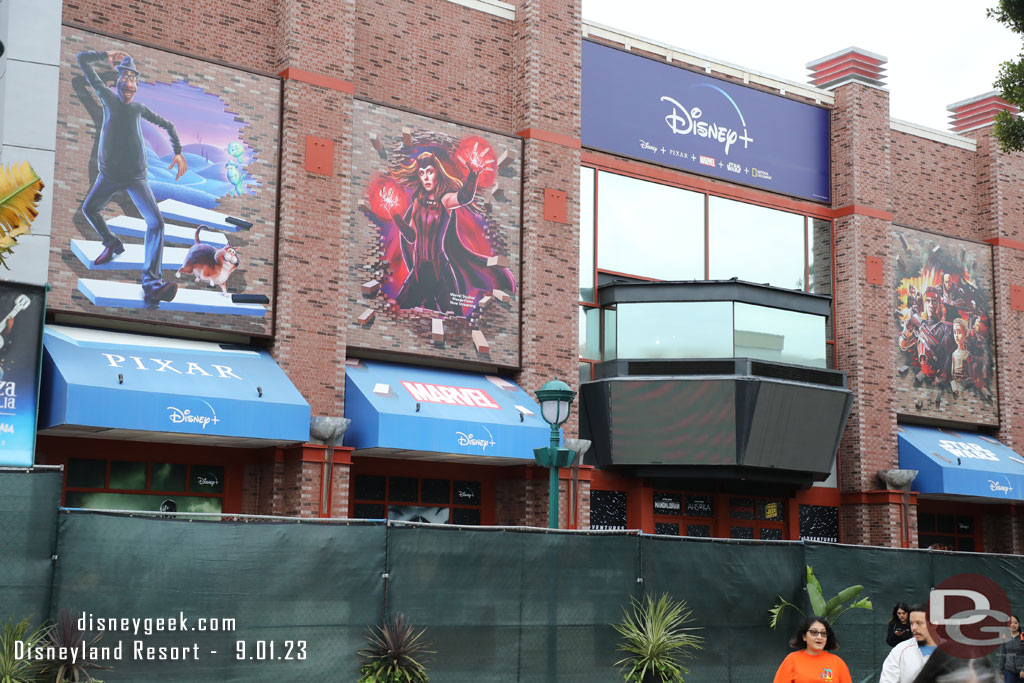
(21, 333)
(946, 364)
(165, 198)
(435, 238)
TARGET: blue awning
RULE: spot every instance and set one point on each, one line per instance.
(960, 463)
(128, 386)
(418, 410)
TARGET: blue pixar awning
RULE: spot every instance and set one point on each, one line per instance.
(114, 385)
(414, 411)
(960, 463)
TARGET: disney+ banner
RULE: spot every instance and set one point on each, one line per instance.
(653, 111)
(21, 329)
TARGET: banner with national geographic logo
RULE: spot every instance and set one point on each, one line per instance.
(21, 329)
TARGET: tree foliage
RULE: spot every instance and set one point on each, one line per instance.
(1009, 130)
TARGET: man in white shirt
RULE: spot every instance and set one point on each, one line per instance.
(907, 658)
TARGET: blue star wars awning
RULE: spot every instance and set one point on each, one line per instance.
(960, 463)
(115, 385)
(427, 412)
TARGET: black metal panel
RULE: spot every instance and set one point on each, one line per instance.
(715, 427)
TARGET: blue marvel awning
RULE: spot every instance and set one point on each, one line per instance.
(427, 412)
(960, 463)
(115, 385)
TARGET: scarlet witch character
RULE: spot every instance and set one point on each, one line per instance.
(445, 273)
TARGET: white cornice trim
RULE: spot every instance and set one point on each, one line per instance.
(706, 64)
(495, 7)
(934, 134)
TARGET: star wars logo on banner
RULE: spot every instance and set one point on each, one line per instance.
(21, 331)
(942, 310)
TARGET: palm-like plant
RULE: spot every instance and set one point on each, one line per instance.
(396, 654)
(65, 637)
(830, 610)
(20, 191)
(22, 669)
(656, 639)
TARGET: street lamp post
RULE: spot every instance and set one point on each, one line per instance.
(555, 397)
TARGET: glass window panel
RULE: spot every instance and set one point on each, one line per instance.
(741, 508)
(668, 504)
(777, 335)
(140, 501)
(771, 510)
(819, 254)
(965, 525)
(607, 510)
(436, 491)
(467, 493)
(590, 332)
(130, 476)
(663, 529)
(586, 234)
(965, 544)
(87, 474)
(771, 534)
(419, 513)
(925, 522)
(165, 476)
(585, 372)
(945, 524)
(466, 516)
(648, 229)
(207, 479)
(700, 329)
(611, 350)
(700, 506)
(755, 244)
(741, 532)
(403, 489)
(698, 530)
(368, 511)
(370, 488)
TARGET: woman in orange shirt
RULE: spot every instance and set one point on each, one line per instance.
(813, 664)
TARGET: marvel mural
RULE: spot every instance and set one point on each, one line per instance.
(165, 199)
(435, 236)
(943, 304)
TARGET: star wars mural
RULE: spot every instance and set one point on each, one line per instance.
(943, 311)
(166, 173)
(435, 237)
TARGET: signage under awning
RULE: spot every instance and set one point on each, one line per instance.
(960, 463)
(115, 385)
(406, 409)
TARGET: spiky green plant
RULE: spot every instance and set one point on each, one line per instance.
(65, 637)
(397, 653)
(21, 670)
(656, 639)
(829, 610)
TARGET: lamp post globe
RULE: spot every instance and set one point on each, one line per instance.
(555, 397)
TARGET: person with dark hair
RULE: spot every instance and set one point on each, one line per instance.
(905, 660)
(899, 625)
(943, 667)
(815, 662)
(1011, 653)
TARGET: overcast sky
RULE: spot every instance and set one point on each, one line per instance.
(939, 53)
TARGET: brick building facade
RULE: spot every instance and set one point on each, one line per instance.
(358, 79)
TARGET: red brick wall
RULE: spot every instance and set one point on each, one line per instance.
(935, 187)
(239, 33)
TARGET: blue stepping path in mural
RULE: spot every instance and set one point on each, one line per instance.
(129, 295)
(126, 226)
(132, 259)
